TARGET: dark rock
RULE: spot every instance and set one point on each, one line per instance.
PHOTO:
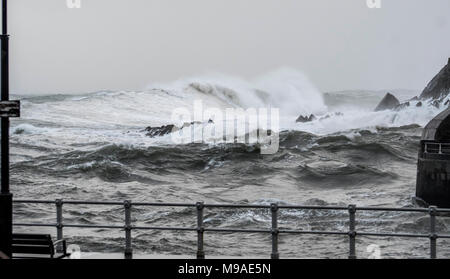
(304, 119)
(167, 129)
(446, 103)
(389, 102)
(419, 104)
(160, 131)
(439, 85)
(436, 104)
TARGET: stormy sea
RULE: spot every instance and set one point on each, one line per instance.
(95, 146)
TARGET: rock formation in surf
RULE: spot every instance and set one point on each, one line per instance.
(167, 129)
(388, 102)
(304, 119)
(160, 131)
(439, 86)
(434, 94)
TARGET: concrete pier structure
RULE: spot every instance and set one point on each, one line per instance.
(433, 170)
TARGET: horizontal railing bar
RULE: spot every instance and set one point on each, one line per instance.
(69, 202)
(257, 206)
(33, 225)
(250, 206)
(68, 225)
(393, 234)
(392, 209)
(237, 230)
(412, 209)
(444, 210)
(163, 204)
(312, 232)
(92, 203)
(312, 207)
(254, 206)
(231, 230)
(93, 226)
(163, 228)
(104, 227)
(106, 203)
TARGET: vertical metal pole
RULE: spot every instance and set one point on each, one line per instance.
(200, 230)
(128, 249)
(352, 231)
(4, 17)
(5, 97)
(59, 224)
(5, 195)
(433, 235)
(275, 231)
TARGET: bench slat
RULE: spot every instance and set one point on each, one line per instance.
(32, 242)
(33, 249)
(31, 236)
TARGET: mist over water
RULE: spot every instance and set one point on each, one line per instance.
(92, 147)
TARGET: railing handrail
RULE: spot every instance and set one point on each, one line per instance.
(249, 206)
(439, 149)
(273, 230)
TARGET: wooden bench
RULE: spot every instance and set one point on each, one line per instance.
(37, 246)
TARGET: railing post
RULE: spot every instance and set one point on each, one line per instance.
(200, 230)
(275, 232)
(433, 235)
(128, 249)
(59, 224)
(352, 231)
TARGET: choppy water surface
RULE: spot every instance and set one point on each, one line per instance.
(91, 147)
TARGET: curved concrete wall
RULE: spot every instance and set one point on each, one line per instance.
(436, 129)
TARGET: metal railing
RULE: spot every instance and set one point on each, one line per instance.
(274, 230)
(436, 148)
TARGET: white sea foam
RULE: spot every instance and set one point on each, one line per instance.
(28, 129)
(354, 118)
(118, 117)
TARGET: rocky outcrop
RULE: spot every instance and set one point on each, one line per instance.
(167, 129)
(439, 85)
(389, 102)
(304, 119)
(436, 103)
(160, 131)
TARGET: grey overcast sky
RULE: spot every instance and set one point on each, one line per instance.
(127, 44)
